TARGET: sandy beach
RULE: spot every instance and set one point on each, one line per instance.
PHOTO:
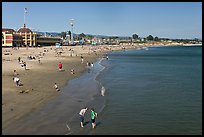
(38, 79)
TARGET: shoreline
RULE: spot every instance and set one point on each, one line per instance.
(16, 105)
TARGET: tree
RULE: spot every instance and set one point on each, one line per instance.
(89, 36)
(150, 37)
(113, 37)
(156, 39)
(69, 33)
(82, 35)
(135, 36)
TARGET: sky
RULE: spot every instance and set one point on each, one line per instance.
(162, 19)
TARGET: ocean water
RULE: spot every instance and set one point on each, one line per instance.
(157, 91)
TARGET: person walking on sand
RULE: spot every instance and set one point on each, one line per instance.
(24, 64)
(19, 59)
(17, 81)
(60, 66)
(93, 118)
(39, 60)
(56, 87)
(81, 116)
(15, 73)
(82, 59)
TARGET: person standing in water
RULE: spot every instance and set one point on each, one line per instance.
(106, 57)
(93, 118)
(81, 116)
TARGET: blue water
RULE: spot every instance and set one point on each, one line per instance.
(154, 91)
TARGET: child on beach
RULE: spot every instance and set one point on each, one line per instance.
(93, 118)
(15, 73)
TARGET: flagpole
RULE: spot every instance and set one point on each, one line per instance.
(25, 12)
(24, 16)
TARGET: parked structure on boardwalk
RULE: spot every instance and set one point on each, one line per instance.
(24, 37)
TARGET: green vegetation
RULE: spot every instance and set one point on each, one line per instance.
(135, 38)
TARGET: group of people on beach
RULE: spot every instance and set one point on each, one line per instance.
(22, 64)
(16, 79)
(93, 115)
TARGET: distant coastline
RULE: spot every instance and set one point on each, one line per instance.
(200, 44)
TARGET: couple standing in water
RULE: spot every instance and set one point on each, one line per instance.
(93, 117)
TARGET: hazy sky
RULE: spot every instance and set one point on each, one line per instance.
(162, 19)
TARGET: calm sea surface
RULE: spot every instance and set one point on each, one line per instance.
(154, 91)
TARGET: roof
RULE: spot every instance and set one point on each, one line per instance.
(8, 30)
(24, 29)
